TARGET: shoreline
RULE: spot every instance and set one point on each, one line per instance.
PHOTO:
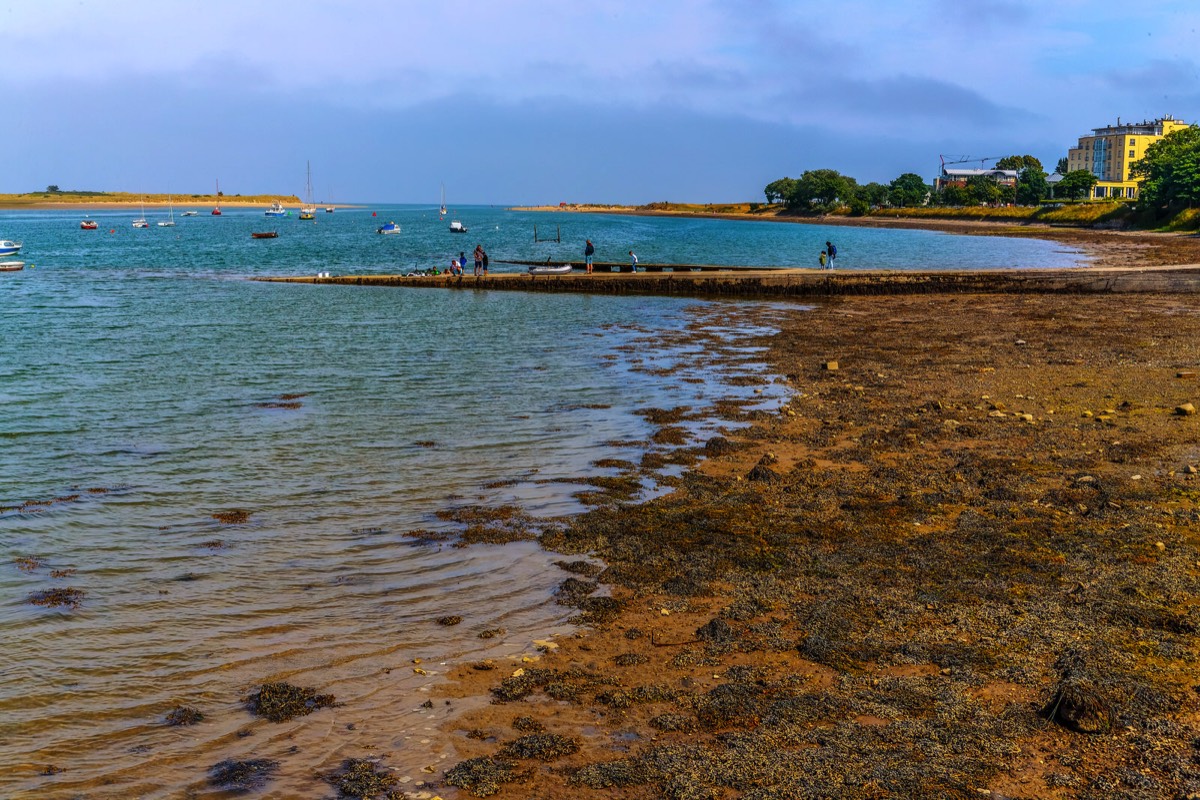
(884, 584)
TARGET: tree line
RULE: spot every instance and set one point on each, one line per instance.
(1170, 171)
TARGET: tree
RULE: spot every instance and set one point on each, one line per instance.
(908, 190)
(1171, 172)
(956, 195)
(983, 190)
(1076, 185)
(52, 189)
(778, 191)
(821, 189)
(1018, 163)
(1062, 167)
(873, 194)
(1031, 187)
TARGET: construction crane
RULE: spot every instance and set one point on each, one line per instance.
(966, 159)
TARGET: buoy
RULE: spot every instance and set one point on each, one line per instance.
(372, 213)
(112, 230)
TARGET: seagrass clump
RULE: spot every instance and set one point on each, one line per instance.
(483, 776)
(360, 778)
(242, 776)
(281, 701)
(542, 746)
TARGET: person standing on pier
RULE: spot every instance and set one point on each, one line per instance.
(633, 261)
(589, 250)
(821, 260)
(478, 260)
(831, 248)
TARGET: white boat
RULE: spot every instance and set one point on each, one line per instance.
(276, 210)
(190, 214)
(9, 248)
(168, 223)
(216, 212)
(140, 222)
(88, 224)
(457, 227)
(443, 211)
(551, 269)
(12, 266)
(309, 209)
(389, 227)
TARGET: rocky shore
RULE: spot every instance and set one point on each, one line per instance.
(960, 562)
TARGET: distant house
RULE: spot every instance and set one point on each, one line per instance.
(1110, 152)
(959, 177)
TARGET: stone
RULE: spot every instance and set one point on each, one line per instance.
(1190, 469)
(1086, 415)
(1185, 373)
(830, 366)
(1185, 410)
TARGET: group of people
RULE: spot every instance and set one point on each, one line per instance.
(459, 265)
(828, 255)
(589, 252)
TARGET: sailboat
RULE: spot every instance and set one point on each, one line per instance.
(443, 211)
(308, 210)
(140, 222)
(168, 223)
(216, 212)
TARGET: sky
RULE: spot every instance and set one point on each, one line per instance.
(547, 101)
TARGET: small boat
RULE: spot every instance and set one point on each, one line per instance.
(190, 214)
(12, 266)
(168, 223)
(8, 248)
(216, 212)
(551, 269)
(88, 225)
(457, 227)
(443, 211)
(140, 222)
(328, 209)
(309, 209)
(276, 210)
(265, 235)
(389, 227)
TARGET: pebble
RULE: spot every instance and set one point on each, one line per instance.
(1185, 410)
(1086, 414)
(831, 366)
(1160, 545)
(1190, 469)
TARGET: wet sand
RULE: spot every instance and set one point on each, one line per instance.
(960, 562)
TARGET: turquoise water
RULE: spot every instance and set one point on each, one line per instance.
(147, 386)
(345, 241)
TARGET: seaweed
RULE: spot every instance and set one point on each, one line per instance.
(66, 597)
(279, 701)
(483, 776)
(242, 776)
(542, 746)
(361, 778)
(183, 715)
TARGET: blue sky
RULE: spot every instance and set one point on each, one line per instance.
(541, 101)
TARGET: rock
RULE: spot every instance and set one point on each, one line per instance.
(950, 424)
(1185, 373)
(1025, 417)
(1190, 469)
(830, 366)
(997, 414)
(1086, 415)
(1185, 410)
(1020, 343)
(1160, 545)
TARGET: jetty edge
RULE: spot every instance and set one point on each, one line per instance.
(801, 283)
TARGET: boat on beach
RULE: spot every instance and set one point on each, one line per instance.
(276, 210)
(9, 248)
(388, 227)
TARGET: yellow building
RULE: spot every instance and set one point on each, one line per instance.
(1110, 151)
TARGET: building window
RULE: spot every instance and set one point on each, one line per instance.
(1132, 140)
(1131, 154)
(1130, 192)
(1100, 190)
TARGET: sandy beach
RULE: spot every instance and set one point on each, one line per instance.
(961, 561)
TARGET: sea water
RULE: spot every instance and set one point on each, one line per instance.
(148, 388)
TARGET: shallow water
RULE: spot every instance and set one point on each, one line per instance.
(147, 387)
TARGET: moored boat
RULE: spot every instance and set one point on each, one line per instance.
(309, 209)
(88, 225)
(216, 212)
(276, 210)
(389, 227)
(457, 227)
(190, 214)
(9, 248)
(12, 266)
(265, 235)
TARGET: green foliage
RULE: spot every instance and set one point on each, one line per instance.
(956, 195)
(1019, 163)
(908, 190)
(52, 189)
(1076, 185)
(983, 190)
(1171, 172)
(821, 190)
(1031, 187)
(1062, 166)
(871, 194)
(778, 191)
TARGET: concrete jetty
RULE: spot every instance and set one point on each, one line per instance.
(779, 283)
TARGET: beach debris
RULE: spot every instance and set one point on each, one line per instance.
(492, 633)
(542, 746)
(29, 563)
(183, 715)
(234, 517)
(1185, 373)
(361, 778)
(482, 776)
(830, 366)
(1077, 704)
(66, 597)
(281, 701)
(449, 620)
(242, 776)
